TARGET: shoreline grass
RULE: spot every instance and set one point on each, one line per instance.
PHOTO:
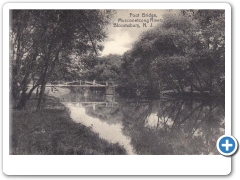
(52, 132)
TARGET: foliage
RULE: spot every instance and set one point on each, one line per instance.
(106, 68)
(186, 52)
(44, 41)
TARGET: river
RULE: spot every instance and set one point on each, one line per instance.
(165, 126)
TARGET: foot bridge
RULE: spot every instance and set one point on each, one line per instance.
(108, 86)
(81, 84)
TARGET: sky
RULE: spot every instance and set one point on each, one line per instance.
(121, 39)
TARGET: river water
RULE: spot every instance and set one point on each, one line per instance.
(164, 126)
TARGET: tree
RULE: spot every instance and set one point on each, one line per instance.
(42, 39)
(185, 51)
(106, 68)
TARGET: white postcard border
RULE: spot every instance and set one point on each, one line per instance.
(118, 164)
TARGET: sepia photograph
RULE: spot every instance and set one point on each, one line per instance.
(116, 81)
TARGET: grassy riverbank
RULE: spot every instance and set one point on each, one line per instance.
(52, 132)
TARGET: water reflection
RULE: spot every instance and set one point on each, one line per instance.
(174, 126)
(167, 126)
(110, 132)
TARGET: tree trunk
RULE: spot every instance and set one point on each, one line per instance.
(23, 101)
(41, 94)
(25, 97)
(200, 89)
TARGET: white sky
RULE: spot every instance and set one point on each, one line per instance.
(120, 39)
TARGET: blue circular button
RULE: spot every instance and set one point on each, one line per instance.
(227, 145)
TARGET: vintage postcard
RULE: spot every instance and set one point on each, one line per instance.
(147, 79)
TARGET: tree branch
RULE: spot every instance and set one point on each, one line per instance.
(91, 39)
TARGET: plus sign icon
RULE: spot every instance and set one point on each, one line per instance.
(227, 145)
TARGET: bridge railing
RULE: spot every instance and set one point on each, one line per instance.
(80, 82)
(85, 82)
